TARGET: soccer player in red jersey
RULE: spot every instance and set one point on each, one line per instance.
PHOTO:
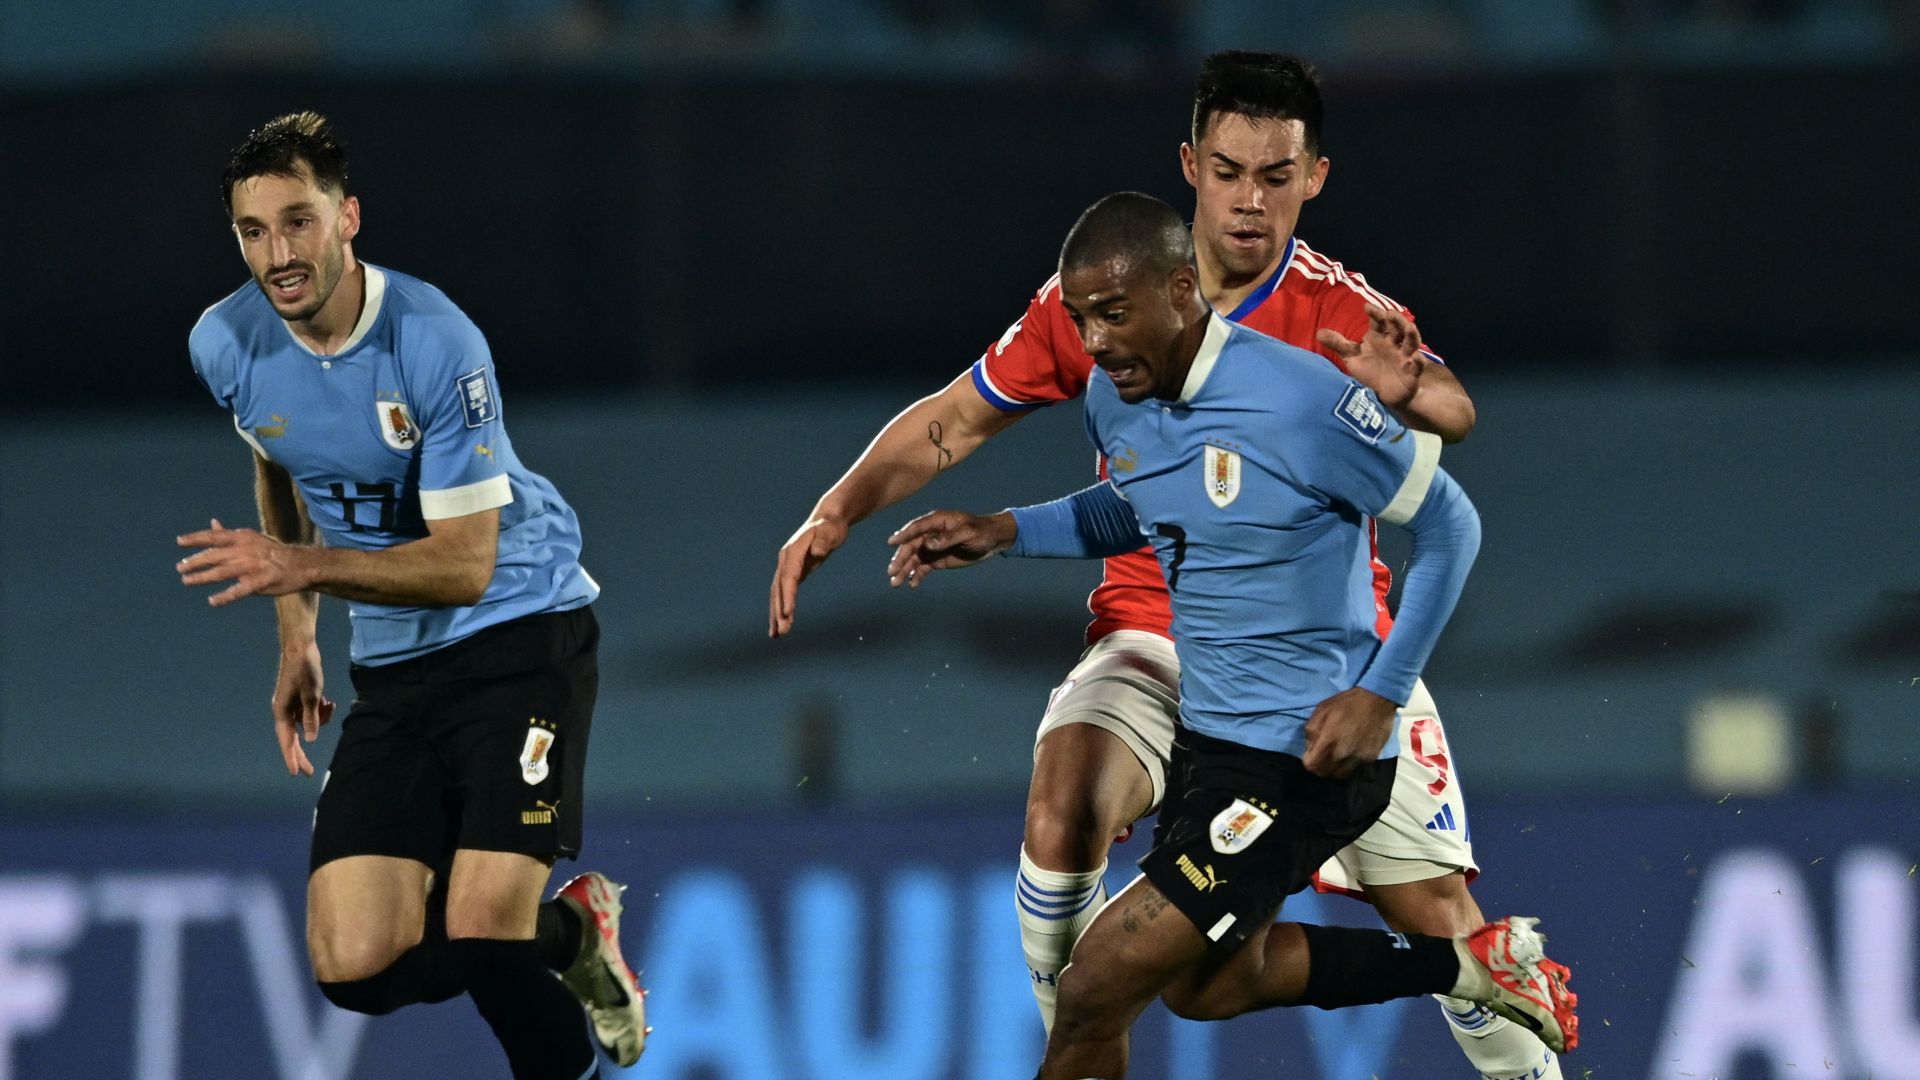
(1101, 752)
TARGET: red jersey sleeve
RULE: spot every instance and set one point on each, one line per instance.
(1038, 361)
(1343, 308)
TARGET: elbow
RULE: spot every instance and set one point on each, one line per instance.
(1460, 424)
(473, 581)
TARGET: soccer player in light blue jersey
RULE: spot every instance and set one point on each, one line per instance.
(385, 477)
(1251, 467)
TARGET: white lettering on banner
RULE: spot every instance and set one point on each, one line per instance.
(1874, 909)
(161, 906)
(1754, 980)
(301, 1050)
(38, 916)
(47, 915)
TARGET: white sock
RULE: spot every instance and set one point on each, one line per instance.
(1499, 1049)
(1054, 907)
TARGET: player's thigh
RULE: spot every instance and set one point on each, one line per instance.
(494, 894)
(363, 911)
(1136, 945)
(513, 726)
(1126, 685)
(1424, 833)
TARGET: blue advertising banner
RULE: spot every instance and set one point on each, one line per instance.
(1732, 939)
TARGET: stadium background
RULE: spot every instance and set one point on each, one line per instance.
(1666, 243)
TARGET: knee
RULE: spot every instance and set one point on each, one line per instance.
(1064, 834)
(344, 957)
(1086, 1005)
(1191, 1003)
(359, 983)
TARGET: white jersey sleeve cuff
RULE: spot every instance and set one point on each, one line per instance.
(1413, 490)
(466, 499)
(251, 441)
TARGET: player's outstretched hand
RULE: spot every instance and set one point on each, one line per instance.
(1346, 731)
(300, 706)
(803, 552)
(945, 539)
(1387, 360)
(257, 564)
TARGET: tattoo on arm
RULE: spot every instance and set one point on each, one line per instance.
(934, 433)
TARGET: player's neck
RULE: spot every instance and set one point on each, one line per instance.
(1224, 292)
(1185, 348)
(330, 328)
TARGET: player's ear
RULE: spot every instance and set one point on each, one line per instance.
(1317, 179)
(1181, 285)
(349, 218)
(1190, 164)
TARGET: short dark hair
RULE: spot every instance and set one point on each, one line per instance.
(1259, 86)
(1141, 230)
(282, 147)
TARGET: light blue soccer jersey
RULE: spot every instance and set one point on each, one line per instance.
(1254, 489)
(402, 425)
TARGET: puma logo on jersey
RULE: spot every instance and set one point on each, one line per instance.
(1205, 880)
(1126, 462)
(274, 430)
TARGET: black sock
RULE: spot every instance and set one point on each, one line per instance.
(558, 932)
(539, 1025)
(1363, 967)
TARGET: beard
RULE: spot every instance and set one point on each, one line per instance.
(322, 279)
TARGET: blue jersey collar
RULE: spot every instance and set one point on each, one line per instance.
(1259, 296)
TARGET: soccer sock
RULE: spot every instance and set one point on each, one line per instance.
(558, 931)
(539, 1024)
(1054, 907)
(1499, 1049)
(398, 984)
(427, 973)
(1361, 967)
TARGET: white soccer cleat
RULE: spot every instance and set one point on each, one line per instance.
(599, 976)
(1521, 983)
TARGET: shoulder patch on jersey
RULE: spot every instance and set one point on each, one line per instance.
(1222, 475)
(476, 397)
(397, 428)
(1361, 411)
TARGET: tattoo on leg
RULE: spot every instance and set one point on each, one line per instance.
(934, 433)
(1147, 910)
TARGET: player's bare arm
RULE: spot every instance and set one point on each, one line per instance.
(1426, 395)
(449, 567)
(932, 435)
(300, 703)
(944, 540)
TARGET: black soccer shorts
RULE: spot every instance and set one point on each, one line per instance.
(481, 744)
(1242, 829)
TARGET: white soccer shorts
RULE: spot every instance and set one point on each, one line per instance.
(1128, 683)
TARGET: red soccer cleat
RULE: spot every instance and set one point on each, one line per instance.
(599, 976)
(1525, 986)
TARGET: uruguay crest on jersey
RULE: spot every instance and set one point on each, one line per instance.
(1222, 475)
(396, 424)
(1237, 826)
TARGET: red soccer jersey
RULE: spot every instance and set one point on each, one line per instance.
(1039, 361)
